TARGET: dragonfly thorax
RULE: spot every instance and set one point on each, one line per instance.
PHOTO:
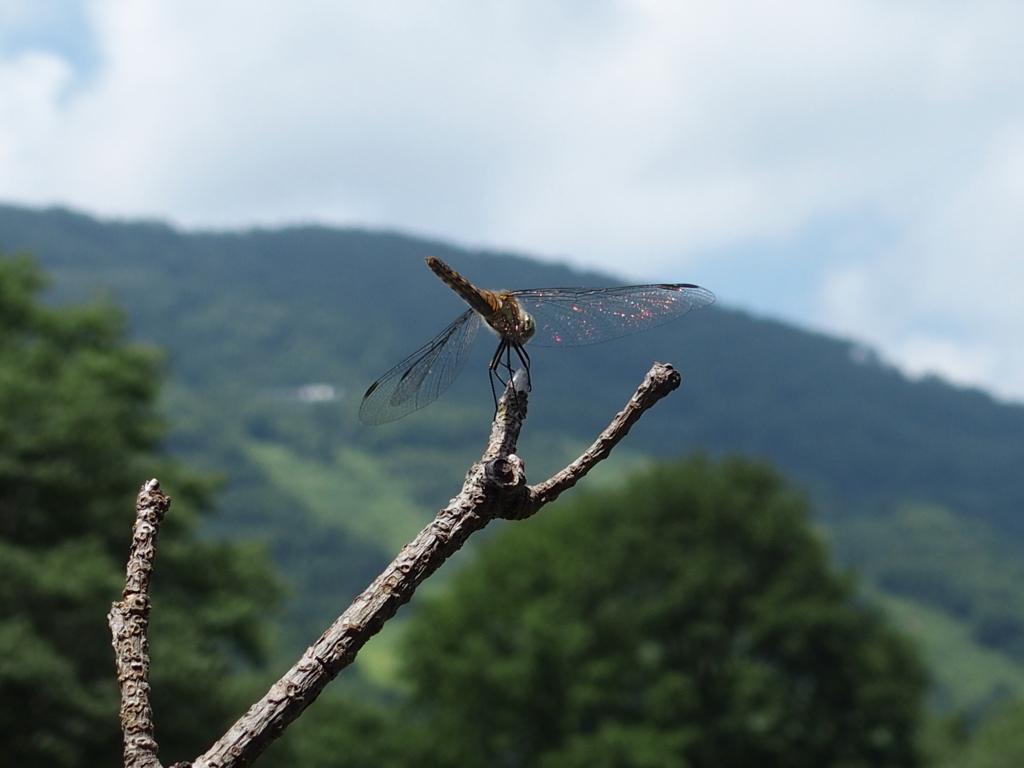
(512, 322)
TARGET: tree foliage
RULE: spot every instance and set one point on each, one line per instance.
(996, 742)
(689, 619)
(79, 433)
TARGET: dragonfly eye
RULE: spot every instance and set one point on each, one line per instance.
(529, 326)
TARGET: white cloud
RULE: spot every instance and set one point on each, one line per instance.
(31, 86)
(961, 363)
(857, 165)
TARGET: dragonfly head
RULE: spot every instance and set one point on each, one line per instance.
(529, 325)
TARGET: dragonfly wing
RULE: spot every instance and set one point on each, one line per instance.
(578, 316)
(423, 376)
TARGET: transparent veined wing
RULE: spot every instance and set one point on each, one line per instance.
(578, 316)
(423, 376)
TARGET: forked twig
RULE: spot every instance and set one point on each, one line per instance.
(494, 487)
(658, 382)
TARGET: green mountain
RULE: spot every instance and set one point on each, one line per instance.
(249, 318)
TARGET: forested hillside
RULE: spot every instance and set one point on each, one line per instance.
(249, 318)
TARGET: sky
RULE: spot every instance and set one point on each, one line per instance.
(853, 167)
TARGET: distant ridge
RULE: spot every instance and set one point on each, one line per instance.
(918, 483)
(301, 304)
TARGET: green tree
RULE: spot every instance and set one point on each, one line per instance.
(78, 435)
(689, 619)
(996, 742)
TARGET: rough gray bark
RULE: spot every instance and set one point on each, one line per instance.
(494, 487)
(128, 620)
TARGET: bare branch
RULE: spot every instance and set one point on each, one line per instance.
(660, 381)
(129, 620)
(494, 487)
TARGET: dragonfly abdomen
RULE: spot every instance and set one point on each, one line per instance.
(484, 302)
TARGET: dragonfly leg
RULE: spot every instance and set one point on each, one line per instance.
(507, 363)
(494, 368)
(524, 358)
(494, 391)
(502, 360)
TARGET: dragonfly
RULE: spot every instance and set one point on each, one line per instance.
(543, 317)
